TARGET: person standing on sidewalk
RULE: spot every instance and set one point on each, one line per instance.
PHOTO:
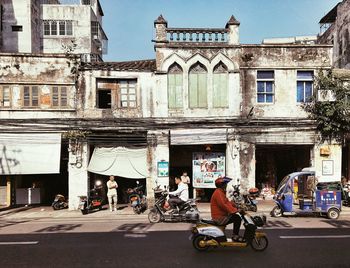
(112, 186)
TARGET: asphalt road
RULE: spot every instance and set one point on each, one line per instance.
(133, 244)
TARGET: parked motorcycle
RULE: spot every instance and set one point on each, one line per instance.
(249, 200)
(187, 212)
(60, 202)
(207, 234)
(137, 199)
(93, 201)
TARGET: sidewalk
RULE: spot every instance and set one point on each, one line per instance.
(125, 210)
(37, 212)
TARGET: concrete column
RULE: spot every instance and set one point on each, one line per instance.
(158, 151)
(328, 160)
(232, 157)
(77, 173)
(247, 164)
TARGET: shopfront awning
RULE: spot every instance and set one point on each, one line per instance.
(198, 136)
(119, 161)
(33, 153)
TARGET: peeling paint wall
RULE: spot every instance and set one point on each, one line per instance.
(88, 94)
(19, 70)
(338, 35)
(81, 17)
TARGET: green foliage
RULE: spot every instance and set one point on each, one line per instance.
(333, 116)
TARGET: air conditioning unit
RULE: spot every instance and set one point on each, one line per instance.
(325, 95)
(95, 37)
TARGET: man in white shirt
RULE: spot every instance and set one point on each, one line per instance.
(180, 195)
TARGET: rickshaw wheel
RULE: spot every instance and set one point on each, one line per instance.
(276, 212)
(333, 214)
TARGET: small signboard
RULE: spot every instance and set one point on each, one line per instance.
(163, 169)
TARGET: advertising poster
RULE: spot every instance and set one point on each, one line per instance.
(207, 167)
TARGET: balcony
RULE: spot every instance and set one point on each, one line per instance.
(203, 35)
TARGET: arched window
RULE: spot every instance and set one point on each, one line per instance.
(175, 86)
(220, 86)
(198, 86)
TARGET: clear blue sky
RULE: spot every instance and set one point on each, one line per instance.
(129, 23)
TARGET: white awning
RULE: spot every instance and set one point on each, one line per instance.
(30, 153)
(119, 161)
(198, 136)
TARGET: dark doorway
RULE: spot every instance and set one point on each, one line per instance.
(273, 162)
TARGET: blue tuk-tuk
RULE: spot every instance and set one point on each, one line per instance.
(299, 192)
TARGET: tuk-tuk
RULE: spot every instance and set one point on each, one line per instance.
(299, 192)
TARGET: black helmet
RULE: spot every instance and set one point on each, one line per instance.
(221, 182)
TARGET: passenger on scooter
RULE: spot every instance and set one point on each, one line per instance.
(179, 196)
(224, 212)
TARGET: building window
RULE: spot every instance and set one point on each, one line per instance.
(5, 97)
(220, 86)
(265, 86)
(58, 27)
(175, 75)
(59, 96)
(304, 86)
(127, 93)
(198, 86)
(94, 28)
(104, 98)
(30, 96)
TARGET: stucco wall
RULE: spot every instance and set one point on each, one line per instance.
(17, 71)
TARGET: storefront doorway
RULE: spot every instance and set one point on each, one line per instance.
(273, 162)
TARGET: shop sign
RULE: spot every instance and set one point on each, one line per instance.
(163, 169)
(207, 167)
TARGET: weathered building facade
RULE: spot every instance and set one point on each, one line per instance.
(206, 104)
(206, 95)
(335, 30)
(53, 26)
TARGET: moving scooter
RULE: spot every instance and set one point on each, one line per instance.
(93, 201)
(187, 212)
(208, 234)
(137, 199)
(60, 202)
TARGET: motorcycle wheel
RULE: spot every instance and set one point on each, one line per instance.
(196, 242)
(56, 206)
(276, 212)
(154, 217)
(137, 210)
(259, 243)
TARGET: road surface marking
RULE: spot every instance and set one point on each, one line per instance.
(20, 243)
(314, 236)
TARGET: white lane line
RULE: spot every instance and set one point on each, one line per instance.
(315, 236)
(20, 243)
